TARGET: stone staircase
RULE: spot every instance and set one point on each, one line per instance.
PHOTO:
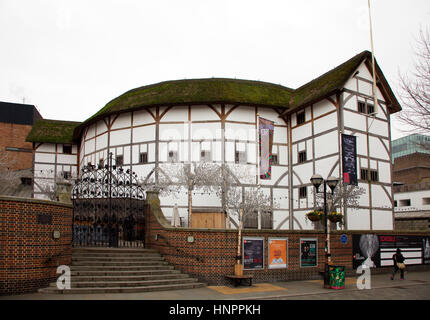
(122, 270)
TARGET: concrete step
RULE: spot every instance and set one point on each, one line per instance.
(118, 264)
(135, 289)
(111, 250)
(116, 259)
(123, 273)
(121, 278)
(125, 284)
(121, 268)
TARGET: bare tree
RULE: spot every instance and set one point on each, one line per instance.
(344, 195)
(415, 92)
(8, 177)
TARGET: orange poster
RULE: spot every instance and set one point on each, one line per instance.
(277, 253)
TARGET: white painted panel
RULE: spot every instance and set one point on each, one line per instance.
(304, 171)
(325, 123)
(382, 220)
(142, 117)
(358, 219)
(173, 131)
(283, 155)
(127, 155)
(151, 152)
(122, 121)
(361, 144)
(44, 157)
(378, 127)
(202, 113)
(135, 154)
(162, 154)
(46, 147)
(280, 135)
(354, 120)
(364, 198)
(279, 219)
(322, 107)
(205, 200)
(205, 131)
(301, 222)
(326, 144)
(142, 134)
(242, 113)
(102, 141)
(91, 131)
(90, 146)
(119, 137)
(195, 151)
(379, 198)
(271, 115)
(365, 87)
(351, 84)
(101, 127)
(66, 158)
(217, 151)
(302, 132)
(235, 131)
(143, 170)
(229, 151)
(384, 171)
(252, 153)
(280, 196)
(179, 113)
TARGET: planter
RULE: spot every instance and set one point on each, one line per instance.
(334, 218)
(314, 218)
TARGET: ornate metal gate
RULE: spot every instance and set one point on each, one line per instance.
(108, 207)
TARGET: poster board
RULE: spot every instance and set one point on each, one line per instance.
(277, 253)
(308, 252)
(253, 253)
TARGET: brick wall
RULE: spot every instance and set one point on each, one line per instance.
(14, 135)
(27, 243)
(212, 254)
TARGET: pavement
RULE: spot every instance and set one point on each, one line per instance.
(381, 287)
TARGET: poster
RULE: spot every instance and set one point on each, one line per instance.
(253, 253)
(349, 159)
(308, 252)
(278, 253)
(365, 250)
(265, 128)
(411, 247)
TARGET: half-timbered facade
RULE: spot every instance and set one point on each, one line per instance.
(215, 120)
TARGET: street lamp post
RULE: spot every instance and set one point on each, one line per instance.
(317, 180)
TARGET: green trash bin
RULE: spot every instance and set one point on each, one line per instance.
(337, 277)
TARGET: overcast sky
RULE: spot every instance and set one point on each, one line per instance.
(70, 58)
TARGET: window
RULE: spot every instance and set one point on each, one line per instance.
(395, 203)
(240, 153)
(66, 174)
(67, 149)
(364, 107)
(250, 221)
(369, 175)
(302, 156)
(405, 203)
(426, 201)
(274, 159)
(205, 156)
(173, 156)
(26, 181)
(101, 163)
(119, 160)
(266, 220)
(301, 117)
(303, 192)
(143, 157)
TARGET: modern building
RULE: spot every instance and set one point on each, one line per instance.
(215, 120)
(16, 121)
(411, 144)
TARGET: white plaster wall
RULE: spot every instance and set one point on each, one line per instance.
(122, 121)
(322, 107)
(142, 134)
(416, 198)
(142, 117)
(325, 123)
(301, 132)
(326, 144)
(179, 113)
(358, 219)
(241, 113)
(44, 157)
(382, 220)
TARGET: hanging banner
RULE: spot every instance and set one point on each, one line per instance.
(426, 250)
(308, 252)
(349, 159)
(278, 253)
(253, 253)
(265, 128)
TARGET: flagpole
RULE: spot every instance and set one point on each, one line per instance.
(375, 101)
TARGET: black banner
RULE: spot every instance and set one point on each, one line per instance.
(349, 159)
